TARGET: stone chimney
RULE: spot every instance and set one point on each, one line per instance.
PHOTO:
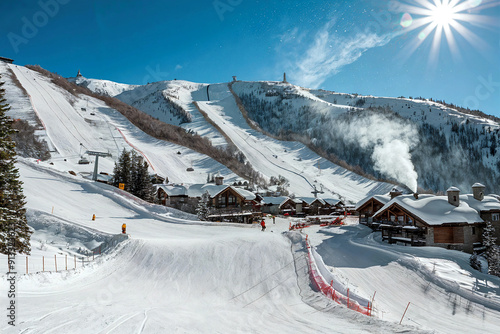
(284, 78)
(395, 192)
(234, 78)
(219, 179)
(453, 196)
(478, 191)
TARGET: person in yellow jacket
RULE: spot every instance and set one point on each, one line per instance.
(124, 228)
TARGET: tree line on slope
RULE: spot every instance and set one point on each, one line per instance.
(161, 130)
(439, 159)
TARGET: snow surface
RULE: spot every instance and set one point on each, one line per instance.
(178, 275)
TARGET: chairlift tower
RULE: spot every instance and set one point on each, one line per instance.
(97, 155)
(316, 191)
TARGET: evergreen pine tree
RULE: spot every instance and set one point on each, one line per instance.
(492, 252)
(135, 162)
(202, 210)
(121, 172)
(14, 230)
(143, 186)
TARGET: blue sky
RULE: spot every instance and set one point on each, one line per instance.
(361, 46)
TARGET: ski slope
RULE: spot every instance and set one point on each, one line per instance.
(178, 275)
(303, 168)
(75, 125)
(172, 275)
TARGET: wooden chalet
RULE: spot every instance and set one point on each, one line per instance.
(274, 205)
(315, 206)
(227, 203)
(453, 221)
(368, 206)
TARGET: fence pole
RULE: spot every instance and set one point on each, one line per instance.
(83, 263)
(373, 298)
(347, 297)
(43, 263)
(93, 253)
(404, 313)
(55, 261)
(66, 261)
(26, 264)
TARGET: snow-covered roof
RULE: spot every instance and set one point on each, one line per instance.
(488, 203)
(248, 195)
(436, 210)
(332, 201)
(196, 190)
(478, 185)
(310, 200)
(173, 190)
(381, 198)
(274, 200)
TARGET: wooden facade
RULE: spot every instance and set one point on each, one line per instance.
(367, 210)
(400, 225)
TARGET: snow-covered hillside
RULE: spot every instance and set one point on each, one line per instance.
(104, 87)
(220, 119)
(73, 125)
(415, 142)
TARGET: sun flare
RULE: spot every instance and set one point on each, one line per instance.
(443, 14)
(442, 20)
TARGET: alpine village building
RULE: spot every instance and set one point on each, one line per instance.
(453, 221)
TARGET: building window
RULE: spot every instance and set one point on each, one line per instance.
(473, 230)
(231, 200)
(495, 217)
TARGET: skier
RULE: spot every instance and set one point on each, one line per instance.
(263, 224)
(274, 219)
(124, 228)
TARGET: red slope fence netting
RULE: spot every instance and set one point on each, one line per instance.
(326, 288)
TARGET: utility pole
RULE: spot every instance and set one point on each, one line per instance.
(97, 155)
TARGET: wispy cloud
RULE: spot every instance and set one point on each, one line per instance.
(311, 64)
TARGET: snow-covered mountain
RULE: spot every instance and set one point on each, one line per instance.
(414, 142)
(211, 111)
(104, 87)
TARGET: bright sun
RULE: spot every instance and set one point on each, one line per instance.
(443, 20)
(443, 14)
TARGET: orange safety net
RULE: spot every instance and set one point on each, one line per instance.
(327, 289)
